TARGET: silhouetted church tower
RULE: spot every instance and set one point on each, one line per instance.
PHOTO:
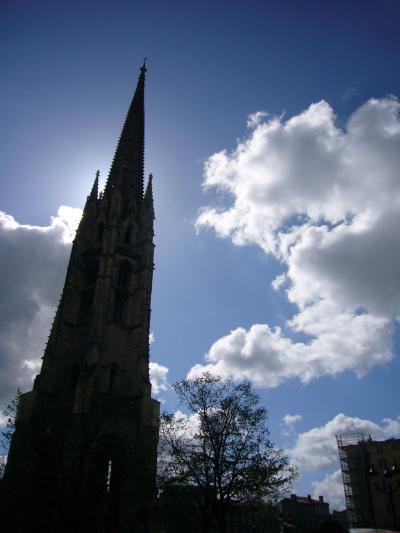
(83, 457)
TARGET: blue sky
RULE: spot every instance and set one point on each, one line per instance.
(68, 73)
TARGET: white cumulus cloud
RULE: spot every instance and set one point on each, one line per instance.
(325, 202)
(331, 488)
(158, 378)
(33, 261)
(289, 420)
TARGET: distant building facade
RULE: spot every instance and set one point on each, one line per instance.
(341, 517)
(83, 456)
(179, 511)
(302, 514)
(384, 482)
(249, 517)
(371, 478)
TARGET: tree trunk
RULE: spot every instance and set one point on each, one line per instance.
(221, 517)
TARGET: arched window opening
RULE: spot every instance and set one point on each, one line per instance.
(110, 460)
(74, 375)
(99, 232)
(128, 235)
(109, 473)
(86, 304)
(124, 274)
(91, 270)
(119, 308)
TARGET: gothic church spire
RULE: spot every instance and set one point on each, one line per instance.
(93, 392)
(127, 167)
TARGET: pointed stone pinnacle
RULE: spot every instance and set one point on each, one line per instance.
(95, 189)
(149, 190)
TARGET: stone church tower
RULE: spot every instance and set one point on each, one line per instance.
(83, 456)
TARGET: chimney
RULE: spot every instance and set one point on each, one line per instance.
(321, 499)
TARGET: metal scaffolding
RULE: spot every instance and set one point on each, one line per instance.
(354, 464)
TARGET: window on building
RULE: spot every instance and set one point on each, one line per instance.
(91, 270)
(86, 304)
(99, 232)
(124, 274)
(109, 473)
(128, 235)
(74, 374)
(119, 308)
(110, 460)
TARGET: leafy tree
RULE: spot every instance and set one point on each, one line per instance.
(2, 466)
(9, 413)
(221, 451)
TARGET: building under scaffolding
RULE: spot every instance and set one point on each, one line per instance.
(354, 462)
(371, 479)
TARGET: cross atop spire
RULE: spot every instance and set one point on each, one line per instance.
(127, 167)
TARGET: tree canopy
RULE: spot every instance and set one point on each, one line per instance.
(221, 447)
(10, 414)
